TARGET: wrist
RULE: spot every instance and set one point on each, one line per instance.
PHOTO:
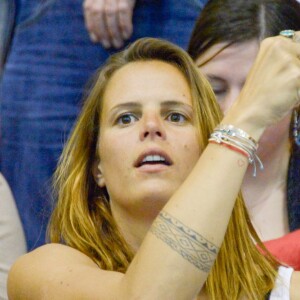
(247, 119)
(237, 140)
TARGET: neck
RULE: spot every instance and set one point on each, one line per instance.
(265, 194)
(134, 224)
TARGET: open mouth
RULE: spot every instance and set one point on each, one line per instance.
(153, 159)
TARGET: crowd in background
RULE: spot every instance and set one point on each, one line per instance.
(48, 52)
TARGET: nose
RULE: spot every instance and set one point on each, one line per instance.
(152, 127)
(229, 99)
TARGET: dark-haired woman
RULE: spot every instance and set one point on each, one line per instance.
(224, 44)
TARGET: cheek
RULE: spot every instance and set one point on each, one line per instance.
(115, 163)
(113, 152)
(191, 147)
(192, 152)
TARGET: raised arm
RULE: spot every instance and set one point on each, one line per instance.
(197, 214)
(200, 210)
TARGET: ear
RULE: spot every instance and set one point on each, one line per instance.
(98, 175)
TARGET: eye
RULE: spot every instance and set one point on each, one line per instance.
(126, 119)
(219, 91)
(219, 86)
(176, 117)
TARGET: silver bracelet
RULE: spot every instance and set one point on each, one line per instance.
(240, 139)
(233, 131)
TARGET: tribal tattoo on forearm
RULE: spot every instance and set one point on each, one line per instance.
(188, 243)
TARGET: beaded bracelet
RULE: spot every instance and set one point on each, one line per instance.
(237, 140)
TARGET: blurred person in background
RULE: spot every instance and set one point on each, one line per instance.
(12, 239)
(224, 44)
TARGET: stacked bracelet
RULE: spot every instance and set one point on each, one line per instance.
(237, 140)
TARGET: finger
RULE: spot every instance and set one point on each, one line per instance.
(102, 31)
(94, 21)
(88, 11)
(93, 37)
(87, 20)
(291, 39)
(125, 18)
(296, 37)
(288, 33)
(112, 24)
(291, 35)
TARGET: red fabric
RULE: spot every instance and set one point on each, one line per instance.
(286, 249)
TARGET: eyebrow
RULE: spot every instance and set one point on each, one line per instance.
(131, 105)
(216, 80)
(222, 80)
(135, 105)
(172, 103)
(214, 77)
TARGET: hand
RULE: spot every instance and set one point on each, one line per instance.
(109, 22)
(272, 87)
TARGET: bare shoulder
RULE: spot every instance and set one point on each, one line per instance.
(56, 271)
(295, 286)
(55, 253)
(49, 257)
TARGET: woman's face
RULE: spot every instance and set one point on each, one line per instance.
(148, 142)
(227, 73)
(228, 70)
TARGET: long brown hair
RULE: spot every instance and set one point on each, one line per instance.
(82, 217)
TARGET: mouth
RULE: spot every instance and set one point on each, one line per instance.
(153, 158)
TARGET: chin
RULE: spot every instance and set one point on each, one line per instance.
(158, 192)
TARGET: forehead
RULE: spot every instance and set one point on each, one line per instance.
(236, 59)
(146, 81)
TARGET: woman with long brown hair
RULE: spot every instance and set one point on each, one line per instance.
(149, 209)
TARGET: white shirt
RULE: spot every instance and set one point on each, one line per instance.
(281, 290)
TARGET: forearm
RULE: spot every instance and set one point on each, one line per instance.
(165, 266)
(172, 262)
